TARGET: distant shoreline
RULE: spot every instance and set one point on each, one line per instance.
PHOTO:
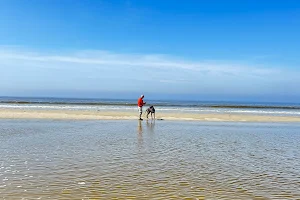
(212, 105)
(130, 115)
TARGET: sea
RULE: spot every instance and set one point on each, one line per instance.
(159, 160)
(133, 159)
(204, 107)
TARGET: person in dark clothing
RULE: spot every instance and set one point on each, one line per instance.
(151, 110)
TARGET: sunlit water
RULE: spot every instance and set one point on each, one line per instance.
(161, 160)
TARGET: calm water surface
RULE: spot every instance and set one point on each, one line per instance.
(161, 160)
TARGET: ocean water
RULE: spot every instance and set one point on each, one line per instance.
(52, 159)
(274, 109)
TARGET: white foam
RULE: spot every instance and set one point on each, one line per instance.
(158, 109)
(212, 119)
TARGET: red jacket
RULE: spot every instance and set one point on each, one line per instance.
(140, 102)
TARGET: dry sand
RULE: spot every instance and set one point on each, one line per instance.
(107, 115)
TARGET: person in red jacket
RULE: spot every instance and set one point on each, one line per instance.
(141, 103)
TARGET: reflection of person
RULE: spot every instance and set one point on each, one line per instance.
(140, 134)
(151, 110)
(140, 128)
(141, 103)
(150, 126)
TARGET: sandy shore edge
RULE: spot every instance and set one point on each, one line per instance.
(116, 115)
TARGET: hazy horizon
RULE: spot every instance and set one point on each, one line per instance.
(160, 97)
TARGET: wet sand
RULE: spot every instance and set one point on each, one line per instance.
(130, 159)
(129, 115)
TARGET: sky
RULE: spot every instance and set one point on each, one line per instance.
(219, 50)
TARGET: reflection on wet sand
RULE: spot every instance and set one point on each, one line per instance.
(124, 160)
(140, 127)
(150, 125)
(140, 133)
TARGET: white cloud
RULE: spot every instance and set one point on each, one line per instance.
(102, 58)
(81, 69)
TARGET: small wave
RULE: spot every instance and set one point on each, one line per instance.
(68, 103)
(66, 107)
(161, 104)
(159, 109)
(255, 106)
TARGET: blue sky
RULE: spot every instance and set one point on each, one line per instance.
(203, 50)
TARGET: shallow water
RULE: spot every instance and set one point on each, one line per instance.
(171, 106)
(139, 160)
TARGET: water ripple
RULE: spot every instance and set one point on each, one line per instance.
(169, 160)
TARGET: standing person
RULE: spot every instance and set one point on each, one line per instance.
(141, 103)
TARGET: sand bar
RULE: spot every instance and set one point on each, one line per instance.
(117, 115)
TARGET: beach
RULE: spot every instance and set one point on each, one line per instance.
(131, 159)
(149, 100)
(83, 149)
(131, 115)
